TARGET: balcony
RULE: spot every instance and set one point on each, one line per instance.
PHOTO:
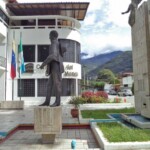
(40, 22)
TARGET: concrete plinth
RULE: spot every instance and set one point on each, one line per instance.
(11, 104)
(48, 138)
(48, 122)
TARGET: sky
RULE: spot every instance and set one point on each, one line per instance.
(104, 28)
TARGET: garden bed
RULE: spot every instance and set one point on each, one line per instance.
(114, 136)
(102, 114)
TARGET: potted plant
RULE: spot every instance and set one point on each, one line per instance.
(75, 101)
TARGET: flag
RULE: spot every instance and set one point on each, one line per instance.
(13, 61)
(21, 58)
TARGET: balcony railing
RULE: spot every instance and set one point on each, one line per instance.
(2, 62)
(44, 22)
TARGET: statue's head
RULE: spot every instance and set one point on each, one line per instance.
(53, 34)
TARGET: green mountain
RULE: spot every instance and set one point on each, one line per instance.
(96, 61)
(119, 64)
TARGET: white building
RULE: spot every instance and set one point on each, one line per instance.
(127, 80)
(34, 21)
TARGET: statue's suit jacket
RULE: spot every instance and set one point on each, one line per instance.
(56, 51)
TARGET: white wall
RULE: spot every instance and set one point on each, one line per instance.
(128, 81)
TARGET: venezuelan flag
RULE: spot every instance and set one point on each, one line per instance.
(13, 61)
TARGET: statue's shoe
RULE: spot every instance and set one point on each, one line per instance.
(44, 104)
(55, 104)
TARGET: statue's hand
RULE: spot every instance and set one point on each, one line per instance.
(122, 13)
(42, 66)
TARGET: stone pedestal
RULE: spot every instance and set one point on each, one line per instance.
(48, 138)
(48, 122)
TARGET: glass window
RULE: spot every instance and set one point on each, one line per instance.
(43, 52)
(26, 87)
(68, 87)
(61, 23)
(73, 50)
(30, 22)
(4, 17)
(29, 53)
(46, 22)
(78, 53)
(42, 86)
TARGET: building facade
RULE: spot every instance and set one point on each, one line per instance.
(31, 23)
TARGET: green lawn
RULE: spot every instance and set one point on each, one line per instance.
(115, 132)
(102, 114)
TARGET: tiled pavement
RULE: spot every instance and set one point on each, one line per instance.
(28, 140)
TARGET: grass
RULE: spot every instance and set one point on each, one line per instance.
(115, 132)
(102, 114)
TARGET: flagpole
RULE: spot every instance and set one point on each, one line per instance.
(20, 89)
(12, 89)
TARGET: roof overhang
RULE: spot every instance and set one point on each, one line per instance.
(75, 10)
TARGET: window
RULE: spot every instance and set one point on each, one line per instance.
(61, 23)
(73, 50)
(4, 17)
(47, 22)
(26, 87)
(29, 53)
(43, 52)
(42, 86)
(28, 22)
(68, 87)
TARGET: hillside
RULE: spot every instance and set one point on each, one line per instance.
(94, 62)
(121, 63)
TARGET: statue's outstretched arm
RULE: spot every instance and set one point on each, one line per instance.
(47, 60)
(128, 10)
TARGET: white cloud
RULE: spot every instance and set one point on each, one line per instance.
(89, 20)
(95, 4)
(110, 31)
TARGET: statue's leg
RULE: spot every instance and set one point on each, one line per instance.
(57, 86)
(49, 92)
(58, 90)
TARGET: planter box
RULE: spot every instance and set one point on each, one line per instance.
(11, 104)
(105, 106)
(106, 145)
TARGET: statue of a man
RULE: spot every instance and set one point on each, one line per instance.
(55, 69)
(132, 9)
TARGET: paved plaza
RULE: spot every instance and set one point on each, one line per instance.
(28, 140)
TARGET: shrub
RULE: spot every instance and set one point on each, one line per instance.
(87, 94)
(102, 94)
(76, 101)
(98, 97)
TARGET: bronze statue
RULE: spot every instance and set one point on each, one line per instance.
(55, 68)
(132, 9)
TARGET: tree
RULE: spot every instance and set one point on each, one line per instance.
(98, 85)
(106, 75)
